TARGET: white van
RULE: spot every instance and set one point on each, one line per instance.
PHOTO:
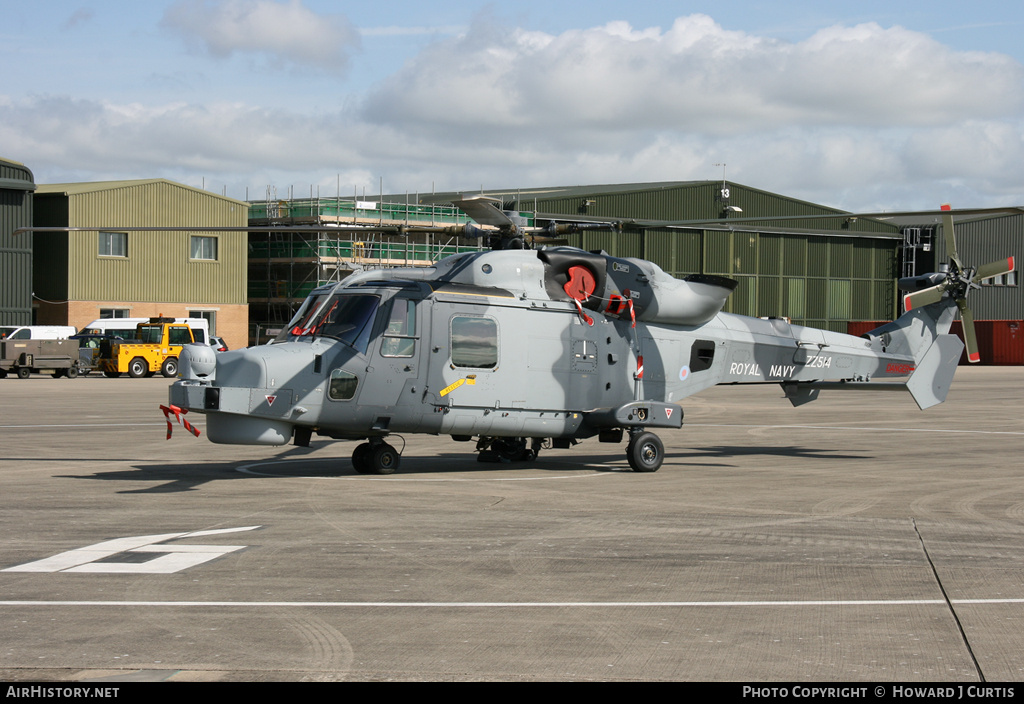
(118, 327)
(125, 327)
(36, 332)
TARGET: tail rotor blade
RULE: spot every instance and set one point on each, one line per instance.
(997, 268)
(949, 235)
(970, 337)
(924, 297)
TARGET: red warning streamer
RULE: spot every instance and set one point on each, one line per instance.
(178, 413)
(586, 318)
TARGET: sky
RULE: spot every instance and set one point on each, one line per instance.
(861, 105)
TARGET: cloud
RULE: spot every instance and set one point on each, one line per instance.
(79, 17)
(860, 117)
(694, 77)
(287, 32)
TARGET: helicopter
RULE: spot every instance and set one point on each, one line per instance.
(524, 348)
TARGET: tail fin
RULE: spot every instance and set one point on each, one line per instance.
(923, 334)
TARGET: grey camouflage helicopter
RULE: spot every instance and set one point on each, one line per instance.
(523, 349)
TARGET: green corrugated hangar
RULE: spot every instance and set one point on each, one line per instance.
(16, 188)
(116, 271)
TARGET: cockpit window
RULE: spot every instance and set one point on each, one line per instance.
(348, 318)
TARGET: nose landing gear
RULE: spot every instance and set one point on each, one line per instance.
(645, 452)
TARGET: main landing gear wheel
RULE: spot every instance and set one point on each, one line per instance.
(645, 452)
(375, 458)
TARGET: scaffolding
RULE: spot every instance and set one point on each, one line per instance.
(285, 266)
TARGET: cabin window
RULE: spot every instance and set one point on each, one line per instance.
(342, 386)
(702, 355)
(474, 342)
(400, 335)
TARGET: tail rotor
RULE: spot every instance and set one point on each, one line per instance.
(955, 284)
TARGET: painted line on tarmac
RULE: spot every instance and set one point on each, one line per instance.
(871, 429)
(518, 604)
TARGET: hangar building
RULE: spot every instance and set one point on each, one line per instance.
(16, 188)
(118, 270)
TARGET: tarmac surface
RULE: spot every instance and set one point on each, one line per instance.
(852, 539)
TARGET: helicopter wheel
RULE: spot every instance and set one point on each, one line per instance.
(645, 452)
(375, 458)
(360, 458)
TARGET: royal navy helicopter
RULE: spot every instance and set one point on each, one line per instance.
(522, 348)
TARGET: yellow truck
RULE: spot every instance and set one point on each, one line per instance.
(155, 349)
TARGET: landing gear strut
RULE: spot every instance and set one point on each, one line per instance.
(645, 452)
(375, 457)
(508, 449)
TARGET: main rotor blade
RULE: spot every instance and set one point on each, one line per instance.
(924, 297)
(987, 271)
(970, 337)
(949, 234)
(485, 211)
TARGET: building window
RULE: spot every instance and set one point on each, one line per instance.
(114, 312)
(209, 316)
(204, 248)
(113, 244)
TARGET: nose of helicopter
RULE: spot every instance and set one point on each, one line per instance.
(252, 401)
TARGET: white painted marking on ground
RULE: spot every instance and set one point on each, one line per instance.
(519, 604)
(174, 558)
